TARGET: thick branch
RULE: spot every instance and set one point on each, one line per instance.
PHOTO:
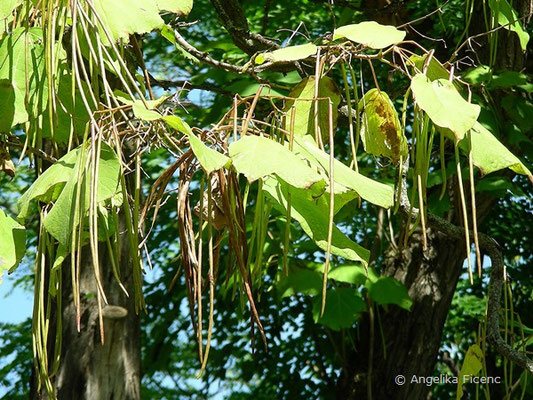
(491, 247)
(234, 21)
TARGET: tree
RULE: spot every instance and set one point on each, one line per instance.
(278, 208)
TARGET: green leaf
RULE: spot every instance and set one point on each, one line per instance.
(7, 105)
(520, 110)
(141, 112)
(304, 108)
(387, 290)
(435, 70)
(178, 124)
(126, 17)
(370, 190)
(69, 112)
(59, 184)
(49, 185)
(20, 75)
(508, 18)
(180, 7)
(509, 79)
(472, 364)
(351, 273)
(210, 160)
(370, 34)
(291, 53)
(343, 306)
(490, 155)
(7, 7)
(444, 105)
(299, 280)
(12, 244)
(381, 132)
(258, 157)
(478, 75)
(59, 221)
(312, 213)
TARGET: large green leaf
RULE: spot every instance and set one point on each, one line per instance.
(257, 157)
(142, 112)
(387, 290)
(444, 105)
(508, 18)
(370, 190)
(20, 75)
(304, 107)
(180, 7)
(7, 7)
(12, 243)
(126, 17)
(67, 111)
(472, 364)
(370, 34)
(381, 132)
(355, 274)
(490, 155)
(313, 215)
(343, 306)
(210, 160)
(291, 53)
(59, 221)
(48, 185)
(435, 70)
(60, 183)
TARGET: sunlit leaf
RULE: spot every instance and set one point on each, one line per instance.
(370, 190)
(370, 34)
(435, 70)
(312, 213)
(178, 124)
(59, 221)
(508, 18)
(59, 184)
(142, 112)
(180, 7)
(7, 7)
(304, 107)
(343, 306)
(210, 160)
(16, 70)
(381, 132)
(126, 17)
(444, 105)
(48, 185)
(258, 157)
(472, 364)
(291, 53)
(12, 243)
(490, 155)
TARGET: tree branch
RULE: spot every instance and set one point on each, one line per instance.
(234, 21)
(491, 247)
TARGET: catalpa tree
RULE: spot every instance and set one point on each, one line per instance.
(350, 172)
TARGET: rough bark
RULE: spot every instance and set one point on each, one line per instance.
(411, 338)
(88, 368)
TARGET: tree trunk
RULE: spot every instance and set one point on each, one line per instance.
(89, 369)
(411, 338)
